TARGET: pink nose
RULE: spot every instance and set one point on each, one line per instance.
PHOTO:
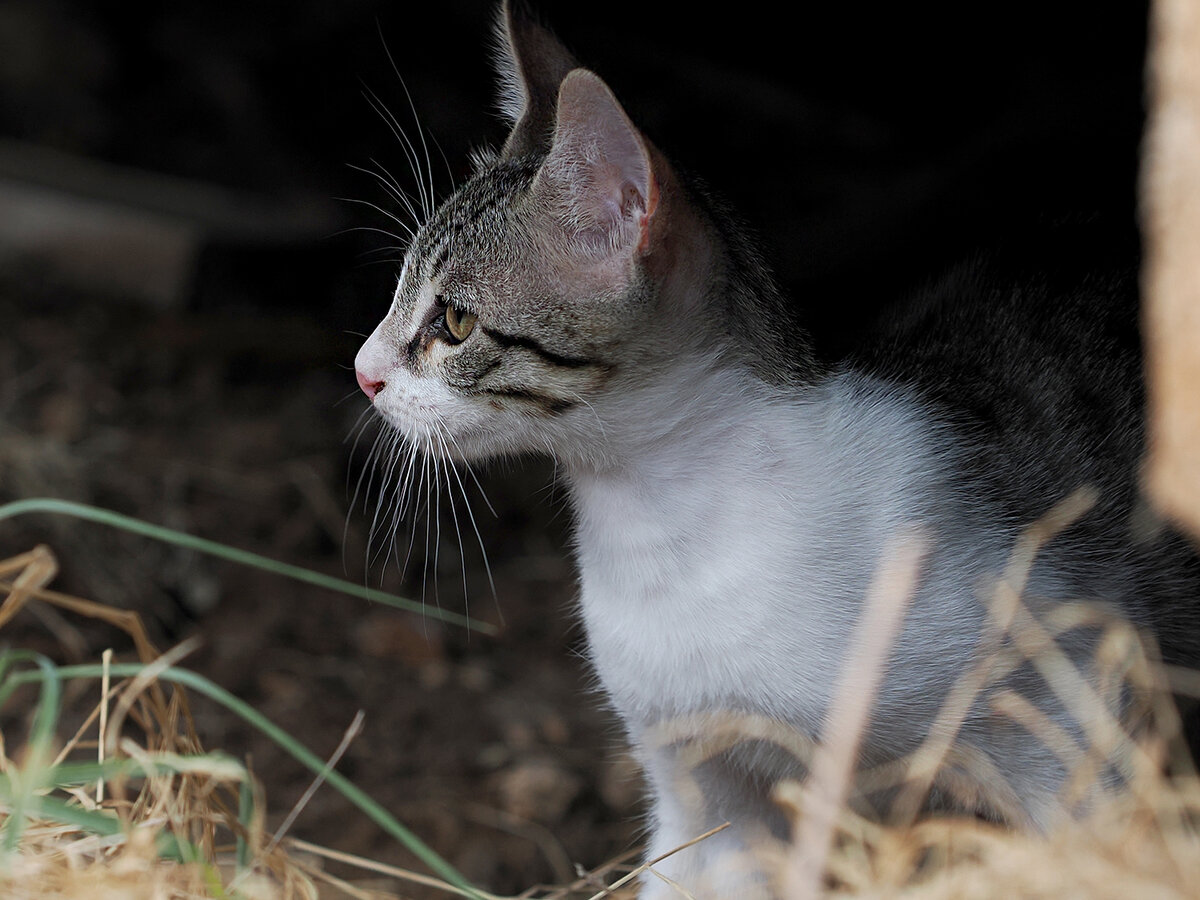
(370, 388)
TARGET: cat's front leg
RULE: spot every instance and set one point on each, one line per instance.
(686, 804)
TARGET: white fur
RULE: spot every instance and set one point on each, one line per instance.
(691, 595)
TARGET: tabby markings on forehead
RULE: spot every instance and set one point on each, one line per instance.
(441, 232)
(476, 201)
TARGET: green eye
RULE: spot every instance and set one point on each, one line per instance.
(459, 323)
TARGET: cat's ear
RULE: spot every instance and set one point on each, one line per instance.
(598, 179)
(531, 63)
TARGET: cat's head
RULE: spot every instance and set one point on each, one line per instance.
(531, 296)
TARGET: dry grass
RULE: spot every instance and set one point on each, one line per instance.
(173, 833)
(183, 823)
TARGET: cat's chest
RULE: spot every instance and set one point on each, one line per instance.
(727, 572)
(688, 607)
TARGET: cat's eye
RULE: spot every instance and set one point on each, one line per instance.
(459, 323)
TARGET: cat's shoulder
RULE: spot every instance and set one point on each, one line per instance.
(1058, 293)
(1032, 349)
(1044, 325)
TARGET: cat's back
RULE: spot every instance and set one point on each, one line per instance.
(1031, 354)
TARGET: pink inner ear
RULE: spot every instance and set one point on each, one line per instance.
(644, 221)
(631, 201)
(621, 201)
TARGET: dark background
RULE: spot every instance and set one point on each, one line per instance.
(869, 146)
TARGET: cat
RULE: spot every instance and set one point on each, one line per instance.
(733, 493)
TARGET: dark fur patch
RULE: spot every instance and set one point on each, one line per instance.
(550, 406)
(508, 341)
(487, 370)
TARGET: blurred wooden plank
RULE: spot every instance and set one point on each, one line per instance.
(128, 232)
(1171, 275)
(227, 213)
(108, 248)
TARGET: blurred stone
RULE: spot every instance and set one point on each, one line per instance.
(620, 783)
(386, 634)
(555, 729)
(538, 790)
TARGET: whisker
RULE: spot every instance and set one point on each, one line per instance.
(360, 425)
(406, 477)
(363, 263)
(386, 178)
(437, 518)
(389, 183)
(399, 506)
(413, 497)
(399, 495)
(384, 498)
(428, 519)
(370, 228)
(392, 188)
(470, 469)
(349, 396)
(368, 470)
(600, 422)
(410, 152)
(393, 248)
(358, 429)
(462, 555)
(474, 526)
(412, 107)
(379, 209)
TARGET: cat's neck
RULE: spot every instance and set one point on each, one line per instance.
(662, 422)
(684, 454)
(710, 268)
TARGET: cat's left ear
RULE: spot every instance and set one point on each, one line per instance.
(531, 64)
(598, 179)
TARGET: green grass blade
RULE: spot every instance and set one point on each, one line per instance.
(57, 810)
(232, 554)
(33, 774)
(217, 765)
(100, 823)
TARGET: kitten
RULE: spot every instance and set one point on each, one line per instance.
(732, 494)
